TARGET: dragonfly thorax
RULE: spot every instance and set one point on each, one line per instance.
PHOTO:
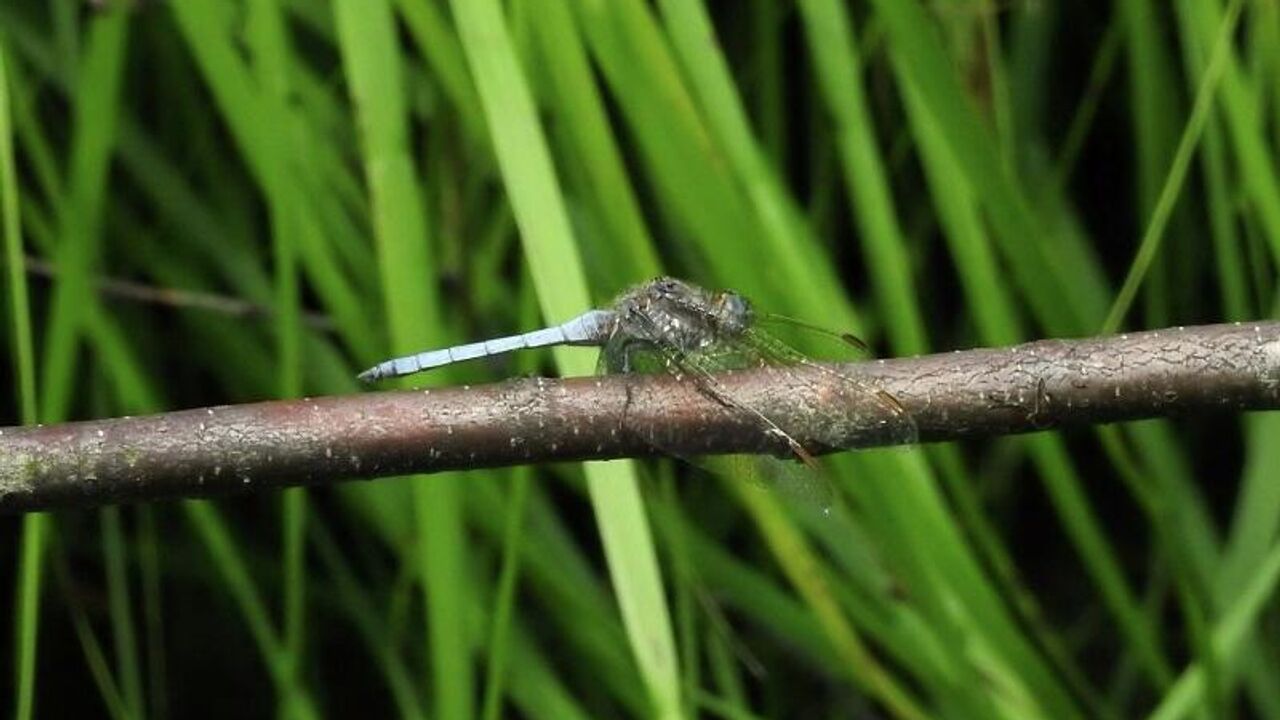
(678, 315)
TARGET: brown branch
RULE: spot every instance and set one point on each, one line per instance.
(974, 393)
(175, 298)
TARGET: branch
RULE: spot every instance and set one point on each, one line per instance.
(974, 393)
(173, 297)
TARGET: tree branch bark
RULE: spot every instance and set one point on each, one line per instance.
(964, 394)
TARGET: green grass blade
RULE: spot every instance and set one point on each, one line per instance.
(558, 275)
(1152, 96)
(27, 605)
(722, 206)
(1228, 638)
(27, 601)
(698, 195)
(94, 656)
(504, 598)
(22, 345)
(1242, 118)
(1169, 193)
(557, 572)
(623, 243)
(1098, 555)
(209, 525)
(27, 613)
(371, 623)
(835, 56)
(1087, 110)
(807, 575)
(152, 613)
(1040, 262)
(271, 50)
(439, 45)
(126, 645)
(80, 218)
(367, 37)
(205, 27)
(782, 228)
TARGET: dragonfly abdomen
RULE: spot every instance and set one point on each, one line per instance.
(589, 328)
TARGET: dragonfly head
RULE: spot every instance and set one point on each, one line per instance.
(733, 311)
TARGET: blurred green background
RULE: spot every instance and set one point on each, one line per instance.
(209, 201)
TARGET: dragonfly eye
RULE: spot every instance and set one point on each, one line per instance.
(734, 311)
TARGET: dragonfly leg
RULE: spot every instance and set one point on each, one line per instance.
(626, 404)
(616, 358)
(798, 450)
(628, 347)
(626, 350)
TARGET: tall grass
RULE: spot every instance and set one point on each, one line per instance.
(928, 175)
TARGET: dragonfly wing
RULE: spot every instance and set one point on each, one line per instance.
(868, 407)
(808, 485)
(700, 368)
(800, 478)
(840, 345)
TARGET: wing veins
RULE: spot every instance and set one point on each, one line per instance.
(771, 348)
(715, 390)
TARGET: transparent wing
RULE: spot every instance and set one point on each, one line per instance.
(801, 478)
(867, 407)
(867, 411)
(800, 334)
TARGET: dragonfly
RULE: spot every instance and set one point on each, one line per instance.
(694, 334)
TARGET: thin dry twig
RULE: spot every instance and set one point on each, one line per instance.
(175, 298)
(974, 393)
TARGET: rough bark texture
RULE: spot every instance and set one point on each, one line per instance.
(974, 393)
